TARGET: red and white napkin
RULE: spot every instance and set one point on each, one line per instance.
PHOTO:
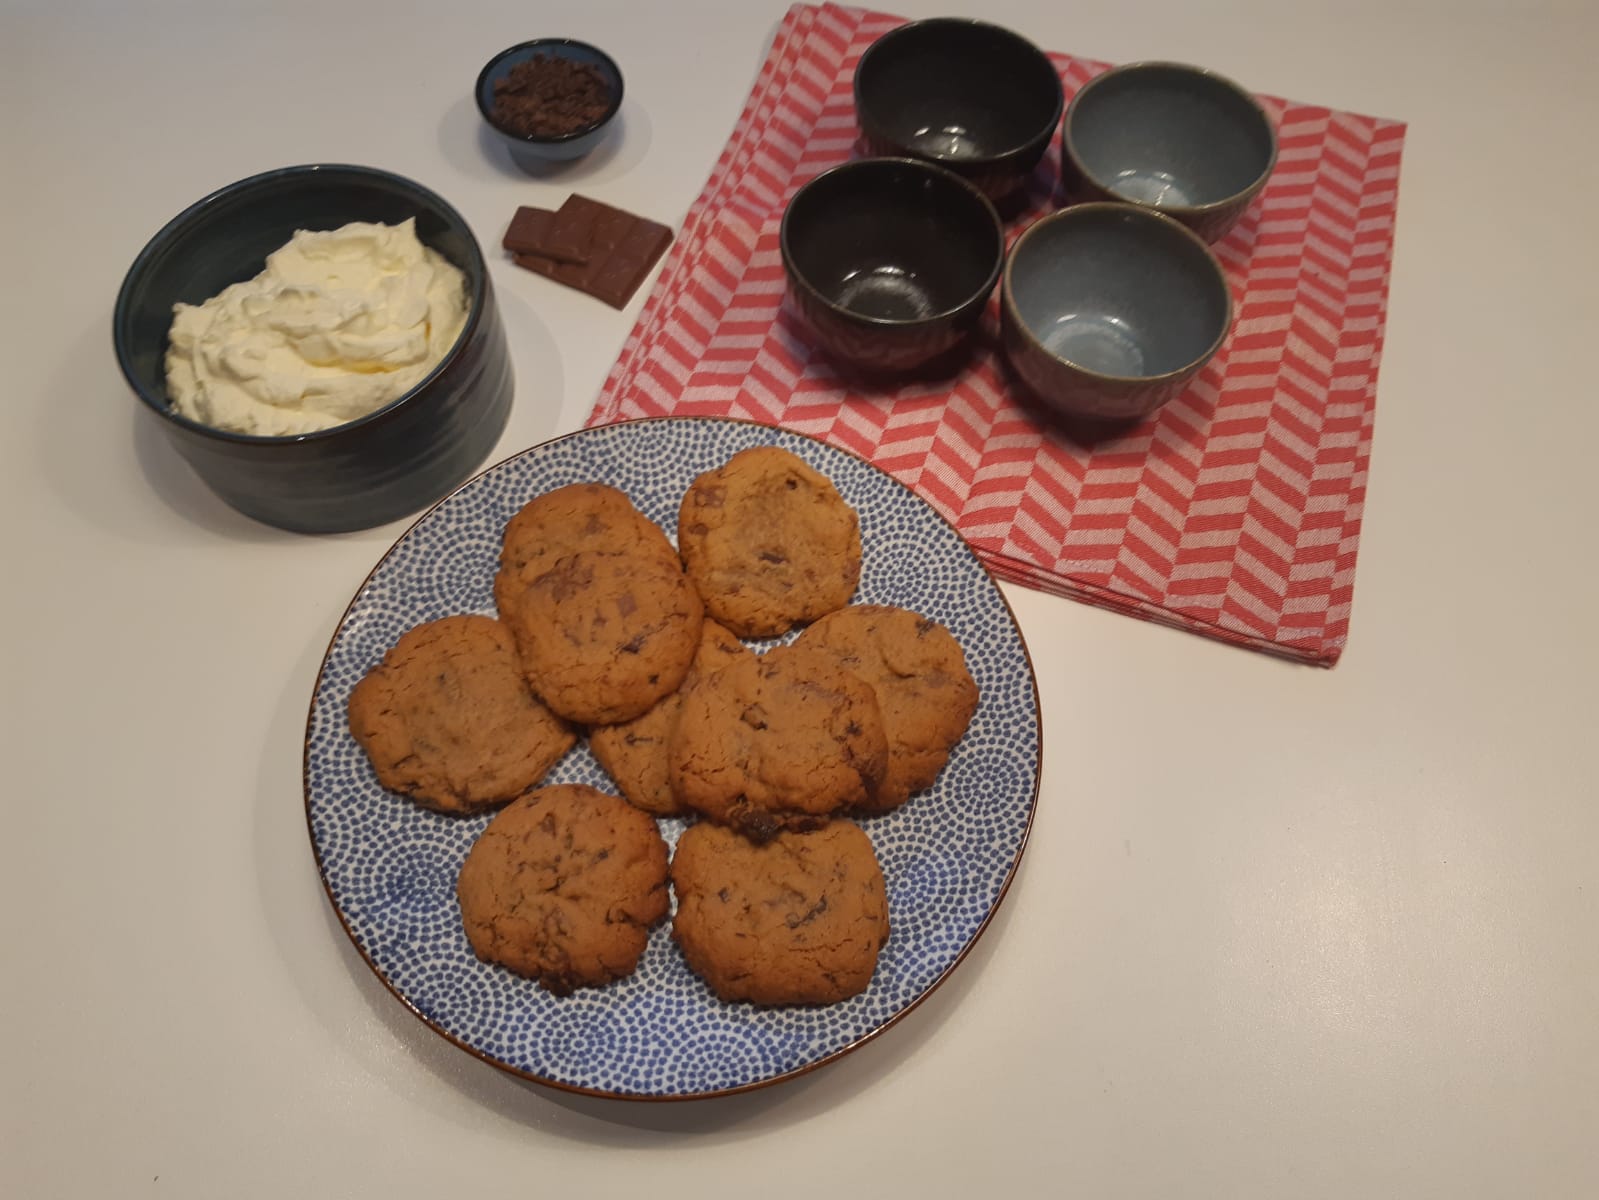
(1234, 511)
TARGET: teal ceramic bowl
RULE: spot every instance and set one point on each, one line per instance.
(1182, 140)
(1108, 311)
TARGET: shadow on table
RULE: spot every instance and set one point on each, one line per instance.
(105, 458)
(607, 1122)
(474, 149)
(109, 463)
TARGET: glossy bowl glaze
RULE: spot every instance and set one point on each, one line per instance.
(533, 150)
(970, 96)
(890, 261)
(1108, 310)
(1182, 140)
(375, 469)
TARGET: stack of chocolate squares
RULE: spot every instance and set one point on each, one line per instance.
(590, 246)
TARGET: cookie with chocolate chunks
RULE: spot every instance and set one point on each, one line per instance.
(800, 919)
(447, 718)
(926, 694)
(603, 636)
(769, 542)
(781, 740)
(563, 887)
(635, 753)
(574, 518)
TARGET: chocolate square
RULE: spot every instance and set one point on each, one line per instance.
(529, 233)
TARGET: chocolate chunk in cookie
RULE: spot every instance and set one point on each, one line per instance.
(448, 718)
(778, 741)
(769, 542)
(634, 753)
(798, 920)
(563, 887)
(926, 694)
(602, 635)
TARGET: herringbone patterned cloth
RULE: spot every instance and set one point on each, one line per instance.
(1234, 511)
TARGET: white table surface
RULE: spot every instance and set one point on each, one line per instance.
(1279, 931)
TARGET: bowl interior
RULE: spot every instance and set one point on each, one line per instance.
(225, 239)
(1171, 136)
(1118, 291)
(956, 89)
(891, 240)
(500, 66)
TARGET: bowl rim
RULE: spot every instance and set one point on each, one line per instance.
(947, 178)
(526, 50)
(1242, 196)
(1137, 213)
(875, 131)
(475, 272)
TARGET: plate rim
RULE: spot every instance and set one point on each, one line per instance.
(836, 1053)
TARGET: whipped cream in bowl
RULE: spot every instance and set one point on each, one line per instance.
(339, 323)
(321, 343)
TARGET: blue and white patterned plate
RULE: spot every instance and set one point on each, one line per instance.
(390, 867)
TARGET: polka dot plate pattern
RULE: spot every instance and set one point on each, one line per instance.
(390, 866)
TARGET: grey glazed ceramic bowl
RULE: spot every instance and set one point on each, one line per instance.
(890, 261)
(1108, 310)
(973, 97)
(1182, 140)
(532, 150)
(378, 468)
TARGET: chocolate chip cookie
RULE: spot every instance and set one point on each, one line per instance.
(602, 635)
(448, 718)
(926, 694)
(634, 753)
(769, 542)
(781, 740)
(798, 920)
(576, 518)
(563, 887)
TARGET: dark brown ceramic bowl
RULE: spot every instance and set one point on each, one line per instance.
(973, 97)
(369, 471)
(1107, 311)
(890, 261)
(1182, 140)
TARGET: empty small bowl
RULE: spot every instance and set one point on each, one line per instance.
(1108, 310)
(890, 261)
(970, 96)
(570, 110)
(1180, 139)
(370, 470)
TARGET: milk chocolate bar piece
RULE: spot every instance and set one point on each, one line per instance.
(617, 275)
(620, 249)
(529, 233)
(579, 225)
(571, 274)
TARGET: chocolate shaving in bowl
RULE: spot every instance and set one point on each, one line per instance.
(548, 96)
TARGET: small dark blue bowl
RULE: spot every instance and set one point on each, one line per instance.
(1182, 140)
(534, 150)
(369, 471)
